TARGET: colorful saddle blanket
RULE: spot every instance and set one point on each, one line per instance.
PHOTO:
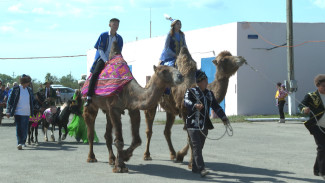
(112, 79)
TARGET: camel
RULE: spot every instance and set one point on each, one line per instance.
(134, 98)
(226, 64)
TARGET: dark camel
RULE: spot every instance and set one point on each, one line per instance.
(226, 64)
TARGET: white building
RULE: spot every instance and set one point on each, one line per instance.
(249, 92)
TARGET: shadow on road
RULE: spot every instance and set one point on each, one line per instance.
(220, 172)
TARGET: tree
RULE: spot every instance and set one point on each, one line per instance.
(69, 81)
(7, 79)
(49, 77)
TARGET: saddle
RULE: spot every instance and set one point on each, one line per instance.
(112, 79)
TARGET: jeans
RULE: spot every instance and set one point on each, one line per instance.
(197, 140)
(21, 128)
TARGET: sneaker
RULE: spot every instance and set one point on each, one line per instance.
(282, 121)
(204, 172)
(19, 147)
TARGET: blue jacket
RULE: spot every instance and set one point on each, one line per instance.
(14, 98)
(102, 43)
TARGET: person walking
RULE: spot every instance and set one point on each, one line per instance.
(20, 105)
(103, 47)
(313, 104)
(78, 128)
(198, 102)
(58, 97)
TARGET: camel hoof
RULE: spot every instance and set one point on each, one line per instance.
(172, 156)
(91, 160)
(36, 143)
(111, 162)
(46, 139)
(189, 166)
(147, 158)
(179, 158)
(120, 170)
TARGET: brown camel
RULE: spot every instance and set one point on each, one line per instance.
(226, 64)
(134, 98)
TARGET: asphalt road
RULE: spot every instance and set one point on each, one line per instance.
(257, 152)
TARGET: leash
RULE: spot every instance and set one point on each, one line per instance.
(228, 128)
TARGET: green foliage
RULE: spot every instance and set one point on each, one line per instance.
(8, 79)
(67, 81)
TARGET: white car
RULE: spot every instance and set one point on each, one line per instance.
(66, 92)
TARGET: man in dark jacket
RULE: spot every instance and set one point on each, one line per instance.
(198, 102)
(313, 104)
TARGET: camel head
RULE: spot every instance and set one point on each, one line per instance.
(115, 50)
(227, 65)
(168, 76)
(185, 62)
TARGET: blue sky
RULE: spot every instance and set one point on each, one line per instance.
(40, 28)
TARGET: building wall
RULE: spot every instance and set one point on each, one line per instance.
(256, 90)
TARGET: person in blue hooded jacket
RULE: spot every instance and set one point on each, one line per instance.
(103, 46)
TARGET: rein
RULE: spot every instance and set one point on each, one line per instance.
(228, 128)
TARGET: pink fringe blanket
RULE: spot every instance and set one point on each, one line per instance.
(112, 79)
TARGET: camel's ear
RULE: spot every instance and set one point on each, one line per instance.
(154, 68)
(215, 62)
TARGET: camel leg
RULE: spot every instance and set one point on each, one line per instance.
(60, 133)
(115, 116)
(167, 133)
(109, 140)
(150, 116)
(135, 126)
(182, 153)
(90, 114)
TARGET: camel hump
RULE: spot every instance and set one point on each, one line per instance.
(224, 53)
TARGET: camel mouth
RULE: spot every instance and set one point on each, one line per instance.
(178, 78)
(240, 61)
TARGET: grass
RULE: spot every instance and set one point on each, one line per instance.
(239, 118)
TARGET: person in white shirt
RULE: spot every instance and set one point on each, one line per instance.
(20, 105)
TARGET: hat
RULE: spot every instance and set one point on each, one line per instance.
(319, 79)
(82, 80)
(200, 75)
(25, 79)
(47, 81)
(173, 21)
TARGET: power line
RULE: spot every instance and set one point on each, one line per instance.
(43, 57)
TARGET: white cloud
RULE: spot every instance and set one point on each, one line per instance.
(319, 3)
(6, 28)
(119, 9)
(54, 26)
(40, 11)
(16, 8)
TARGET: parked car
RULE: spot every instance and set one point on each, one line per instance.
(66, 92)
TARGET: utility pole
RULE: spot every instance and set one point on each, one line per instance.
(290, 62)
(150, 22)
